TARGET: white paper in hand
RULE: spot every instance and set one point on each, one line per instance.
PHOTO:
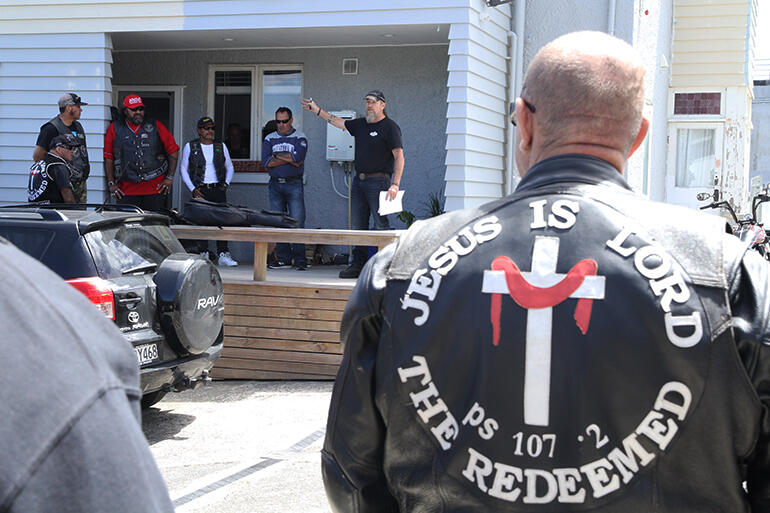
(390, 207)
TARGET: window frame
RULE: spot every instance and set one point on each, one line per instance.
(257, 86)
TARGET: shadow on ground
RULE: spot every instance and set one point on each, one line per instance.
(159, 424)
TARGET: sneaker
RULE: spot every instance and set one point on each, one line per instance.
(351, 271)
(301, 267)
(226, 260)
(278, 264)
(205, 254)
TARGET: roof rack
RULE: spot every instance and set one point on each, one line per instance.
(97, 207)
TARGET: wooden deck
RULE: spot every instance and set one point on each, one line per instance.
(286, 327)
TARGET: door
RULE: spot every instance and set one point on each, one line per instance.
(694, 162)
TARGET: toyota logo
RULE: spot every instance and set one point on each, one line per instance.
(133, 317)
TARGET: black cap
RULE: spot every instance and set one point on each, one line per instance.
(205, 120)
(65, 140)
(70, 99)
(376, 94)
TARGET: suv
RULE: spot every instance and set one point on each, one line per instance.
(168, 304)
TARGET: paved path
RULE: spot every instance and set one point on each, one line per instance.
(242, 446)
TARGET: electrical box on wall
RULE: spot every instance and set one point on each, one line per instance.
(340, 145)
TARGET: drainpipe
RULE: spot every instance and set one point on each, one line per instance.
(515, 74)
(611, 17)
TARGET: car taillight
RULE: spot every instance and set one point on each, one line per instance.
(97, 291)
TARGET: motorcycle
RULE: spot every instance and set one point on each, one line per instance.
(748, 229)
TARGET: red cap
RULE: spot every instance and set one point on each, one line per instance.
(133, 101)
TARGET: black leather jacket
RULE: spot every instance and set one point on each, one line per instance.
(572, 347)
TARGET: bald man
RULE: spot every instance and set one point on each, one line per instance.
(571, 347)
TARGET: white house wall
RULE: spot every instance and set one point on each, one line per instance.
(476, 106)
(35, 70)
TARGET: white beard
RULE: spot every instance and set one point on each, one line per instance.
(370, 117)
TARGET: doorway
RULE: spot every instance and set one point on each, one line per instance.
(164, 104)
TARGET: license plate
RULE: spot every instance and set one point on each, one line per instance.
(146, 353)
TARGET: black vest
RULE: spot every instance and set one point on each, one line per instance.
(196, 164)
(140, 156)
(80, 168)
(42, 187)
(567, 348)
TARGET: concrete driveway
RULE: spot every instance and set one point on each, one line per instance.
(242, 446)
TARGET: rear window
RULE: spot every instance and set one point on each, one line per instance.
(33, 241)
(120, 248)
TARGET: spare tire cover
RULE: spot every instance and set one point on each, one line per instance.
(190, 300)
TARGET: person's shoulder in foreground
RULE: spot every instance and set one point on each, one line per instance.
(70, 437)
(572, 347)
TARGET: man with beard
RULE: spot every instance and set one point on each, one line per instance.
(139, 158)
(70, 110)
(379, 161)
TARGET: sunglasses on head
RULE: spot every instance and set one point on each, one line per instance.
(512, 110)
(282, 121)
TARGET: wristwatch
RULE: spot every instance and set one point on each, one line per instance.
(110, 183)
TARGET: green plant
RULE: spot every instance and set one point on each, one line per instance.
(406, 217)
(435, 204)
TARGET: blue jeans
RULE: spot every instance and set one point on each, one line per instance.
(365, 201)
(289, 197)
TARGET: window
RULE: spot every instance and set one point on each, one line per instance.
(695, 157)
(232, 110)
(243, 100)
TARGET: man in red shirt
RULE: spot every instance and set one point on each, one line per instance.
(139, 158)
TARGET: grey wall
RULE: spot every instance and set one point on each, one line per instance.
(414, 79)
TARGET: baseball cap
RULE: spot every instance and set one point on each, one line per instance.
(65, 140)
(205, 120)
(375, 94)
(70, 99)
(133, 101)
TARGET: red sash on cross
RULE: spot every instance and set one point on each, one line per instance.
(529, 296)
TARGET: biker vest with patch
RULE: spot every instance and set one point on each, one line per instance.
(42, 188)
(567, 348)
(140, 156)
(80, 167)
(196, 165)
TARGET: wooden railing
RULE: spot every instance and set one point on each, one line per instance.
(261, 236)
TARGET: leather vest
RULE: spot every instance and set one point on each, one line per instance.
(196, 164)
(568, 348)
(140, 156)
(80, 167)
(41, 187)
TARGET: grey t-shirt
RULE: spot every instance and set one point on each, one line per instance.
(70, 432)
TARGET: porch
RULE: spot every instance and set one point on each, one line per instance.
(286, 327)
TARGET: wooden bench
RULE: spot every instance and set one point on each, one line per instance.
(261, 236)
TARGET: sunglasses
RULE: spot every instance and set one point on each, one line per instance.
(70, 148)
(208, 128)
(512, 112)
(138, 109)
(282, 121)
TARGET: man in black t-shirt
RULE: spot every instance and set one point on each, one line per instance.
(379, 161)
(49, 178)
(70, 110)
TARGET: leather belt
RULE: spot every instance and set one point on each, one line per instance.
(216, 185)
(364, 176)
(289, 179)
